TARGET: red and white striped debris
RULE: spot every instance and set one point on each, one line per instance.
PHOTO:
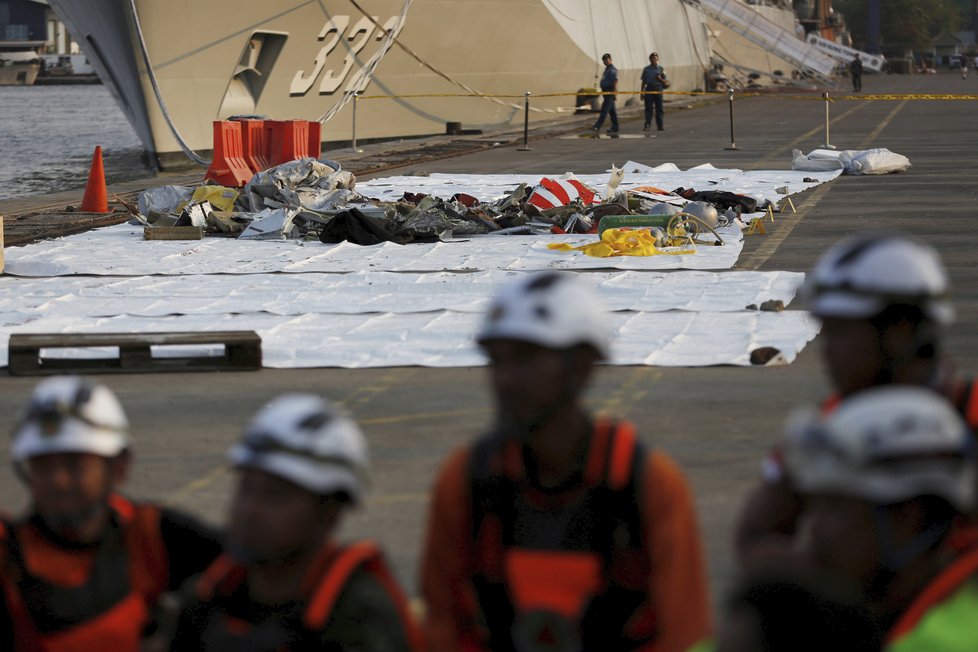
(551, 193)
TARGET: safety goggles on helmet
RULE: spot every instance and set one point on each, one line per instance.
(885, 445)
(860, 277)
(549, 309)
(303, 439)
(68, 415)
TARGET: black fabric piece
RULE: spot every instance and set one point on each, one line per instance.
(720, 199)
(353, 226)
(190, 545)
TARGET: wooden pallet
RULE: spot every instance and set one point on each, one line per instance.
(242, 352)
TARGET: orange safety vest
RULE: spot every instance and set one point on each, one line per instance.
(105, 608)
(325, 582)
(567, 571)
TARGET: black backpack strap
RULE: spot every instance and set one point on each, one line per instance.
(618, 508)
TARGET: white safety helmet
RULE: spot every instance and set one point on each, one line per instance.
(859, 277)
(885, 445)
(549, 309)
(305, 440)
(69, 415)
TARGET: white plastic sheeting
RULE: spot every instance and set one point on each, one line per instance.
(121, 251)
(344, 305)
(444, 339)
(369, 292)
(760, 184)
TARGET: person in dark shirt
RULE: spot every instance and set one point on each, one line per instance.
(654, 81)
(284, 583)
(85, 567)
(609, 86)
(856, 71)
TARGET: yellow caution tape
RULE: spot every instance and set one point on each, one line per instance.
(740, 94)
(621, 242)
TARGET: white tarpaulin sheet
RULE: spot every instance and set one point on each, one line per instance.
(366, 292)
(760, 184)
(445, 339)
(344, 305)
(121, 251)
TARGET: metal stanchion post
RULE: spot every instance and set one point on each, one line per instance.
(526, 124)
(733, 143)
(356, 149)
(828, 144)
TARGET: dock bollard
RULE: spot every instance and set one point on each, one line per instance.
(356, 149)
(828, 144)
(733, 143)
(526, 124)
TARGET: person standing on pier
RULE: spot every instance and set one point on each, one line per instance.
(654, 81)
(856, 70)
(609, 86)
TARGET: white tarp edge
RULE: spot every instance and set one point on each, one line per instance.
(445, 339)
(366, 292)
(121, 251)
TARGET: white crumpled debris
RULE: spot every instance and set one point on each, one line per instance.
(874, 161)
(866, 161)
(271, 225)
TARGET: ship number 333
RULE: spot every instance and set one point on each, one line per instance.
(345, 39)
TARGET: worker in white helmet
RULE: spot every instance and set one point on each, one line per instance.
(882, 300)
(284, 582)
(84, 568)
(558, 530)
(884, 478)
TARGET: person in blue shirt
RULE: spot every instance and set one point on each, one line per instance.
(653, 82)
(609, 86)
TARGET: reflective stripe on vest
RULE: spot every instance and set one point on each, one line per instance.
(562, 570)
(328, 576)
(934, 596)
(106, 605)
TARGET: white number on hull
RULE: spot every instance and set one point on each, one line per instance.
(333, 32)
(301, 83)
(330, 81)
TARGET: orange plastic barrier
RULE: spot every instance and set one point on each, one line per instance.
(288, 140)
(96, 198)
(254, 143)
(315, 139)
(228, 167)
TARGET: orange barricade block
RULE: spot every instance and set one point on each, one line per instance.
(315, 139)
(288, 140)
(254, 144)
(228, 167)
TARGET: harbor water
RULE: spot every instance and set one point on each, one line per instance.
(48, 134)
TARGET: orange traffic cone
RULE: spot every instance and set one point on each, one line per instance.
(96, 198)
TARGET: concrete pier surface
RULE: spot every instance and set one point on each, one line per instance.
(717, 422)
